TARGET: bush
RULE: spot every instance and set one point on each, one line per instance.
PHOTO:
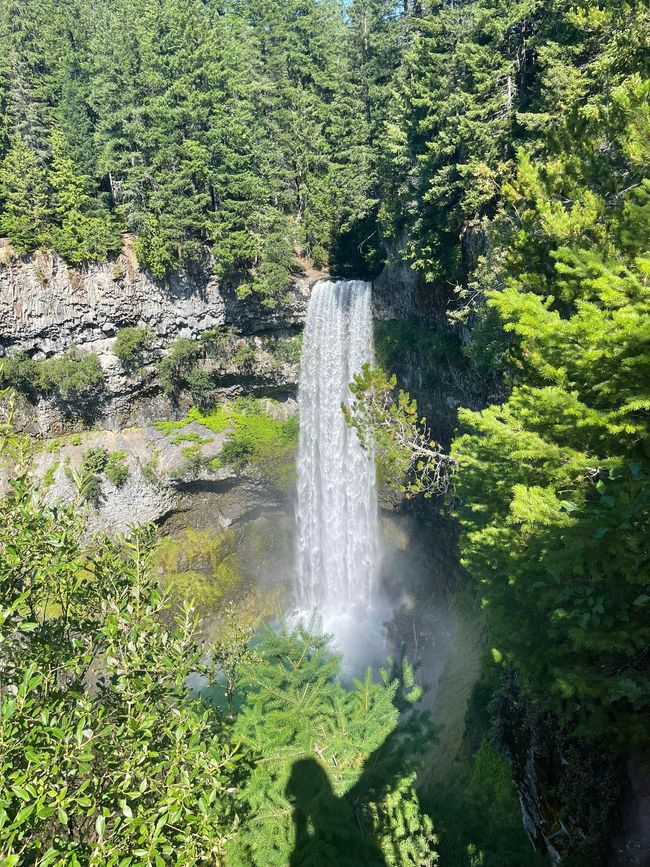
(88, 479)
(117, 469)
(287, 351)
(220, 343)
(199, 384)
(95, 463)
(92, 764)
(174, 368)
(150, 474)
(244, 357)
(22, 373)
(131, 344)
(73, 373)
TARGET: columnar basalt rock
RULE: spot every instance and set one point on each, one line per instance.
(48, 307)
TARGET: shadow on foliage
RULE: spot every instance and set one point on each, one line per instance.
(327, 830)
(331, 830)
(358, 252)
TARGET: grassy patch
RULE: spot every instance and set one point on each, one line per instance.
(117, 469)
(189, 437)
(168, 427)
(257, 438)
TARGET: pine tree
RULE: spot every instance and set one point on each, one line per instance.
(25, 215)
(309, 800)
(83, 233)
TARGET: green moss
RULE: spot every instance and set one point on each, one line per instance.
(189, 438)
(257, 439)
(197, 565)
(168, 427)
(263, 442)
(216, 419)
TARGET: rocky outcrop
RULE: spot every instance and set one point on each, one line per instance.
(48, 307)
(168, 471)
(569, 788)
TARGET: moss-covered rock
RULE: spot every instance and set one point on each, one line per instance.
(196, 564)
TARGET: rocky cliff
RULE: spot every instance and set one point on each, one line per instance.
(48, 307)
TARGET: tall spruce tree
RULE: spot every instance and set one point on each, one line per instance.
(26, 213)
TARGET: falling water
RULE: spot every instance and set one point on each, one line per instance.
(337, 501)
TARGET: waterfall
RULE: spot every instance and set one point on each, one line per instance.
(337, 532)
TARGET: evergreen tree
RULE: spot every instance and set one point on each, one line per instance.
(24, 194)
(83, 232)
(309, 797)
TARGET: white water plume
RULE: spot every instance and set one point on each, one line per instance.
(337, 525)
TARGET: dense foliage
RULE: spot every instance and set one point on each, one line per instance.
(520, 162)
(501, 148)
(242, 129)
(104, 754)
(517, 169)
(108, 758)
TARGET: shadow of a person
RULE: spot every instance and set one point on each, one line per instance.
(327, 831)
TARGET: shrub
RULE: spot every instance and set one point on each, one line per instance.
(287, 351)
(92, 765)
(21, 372)
(131, 344)
(87, 479)
(73, 373)
(220, 342)
(95, 462)
(50, 473)
(174, 368)
(245, 356)
(117, 469)
(199, 384)
(149, 472)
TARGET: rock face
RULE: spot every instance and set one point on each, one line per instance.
(47, 307)
(169, 471)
